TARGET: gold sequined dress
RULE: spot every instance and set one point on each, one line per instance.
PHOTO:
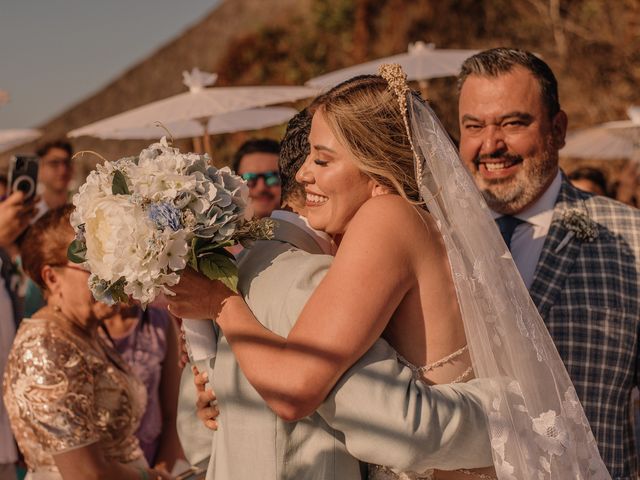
(63, 392)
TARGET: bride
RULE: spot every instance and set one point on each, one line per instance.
(421, 263)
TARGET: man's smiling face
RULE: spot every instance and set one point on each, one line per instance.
(507, 139)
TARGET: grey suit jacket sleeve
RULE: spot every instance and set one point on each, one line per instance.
(389, 418)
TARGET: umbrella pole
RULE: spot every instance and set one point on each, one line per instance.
(207, 144)
(197, 145)
(424, 89)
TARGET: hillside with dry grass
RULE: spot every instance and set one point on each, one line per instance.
(592, 46)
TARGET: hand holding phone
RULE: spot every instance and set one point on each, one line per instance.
(14, 217)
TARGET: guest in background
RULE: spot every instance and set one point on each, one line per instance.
(147, 340)
(256, 161)
(73, 403)
(589, 179)
(55, 173)
(14, 219)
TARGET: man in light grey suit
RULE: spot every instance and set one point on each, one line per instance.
(378, 413)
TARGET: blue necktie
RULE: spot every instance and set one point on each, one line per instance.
(507, 225)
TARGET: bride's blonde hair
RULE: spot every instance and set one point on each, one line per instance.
(366, 119)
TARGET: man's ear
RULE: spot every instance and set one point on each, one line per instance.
(559, 129)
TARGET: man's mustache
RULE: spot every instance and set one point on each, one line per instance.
(503, 154)
(263, 195)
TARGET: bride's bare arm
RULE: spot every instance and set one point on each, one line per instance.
(372, 272)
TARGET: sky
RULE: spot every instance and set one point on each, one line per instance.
(54, 53)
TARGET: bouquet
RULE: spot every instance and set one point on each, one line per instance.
(140, 220)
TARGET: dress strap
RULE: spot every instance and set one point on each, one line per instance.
(432, 366)
(422, 371)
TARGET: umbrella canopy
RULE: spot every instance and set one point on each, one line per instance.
(421, 62)
(199, 103)
(251, 119)
(611, 140)
(13, 137)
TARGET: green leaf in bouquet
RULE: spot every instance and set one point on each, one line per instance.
(116, 290)
(210, 248)
(218, 266)
(119, 185)
(77, 252)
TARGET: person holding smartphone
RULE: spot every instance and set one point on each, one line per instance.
(15, 214)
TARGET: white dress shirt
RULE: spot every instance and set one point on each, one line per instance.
(321, 238)
(528, 237)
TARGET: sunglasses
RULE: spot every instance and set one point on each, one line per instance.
(271, 179)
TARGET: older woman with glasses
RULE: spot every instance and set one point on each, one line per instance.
(72, 401)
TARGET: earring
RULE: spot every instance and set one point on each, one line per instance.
(56, 309)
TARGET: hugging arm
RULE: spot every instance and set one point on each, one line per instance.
(345, 315)
(390, 418)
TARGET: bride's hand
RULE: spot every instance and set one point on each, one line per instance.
(197, 297)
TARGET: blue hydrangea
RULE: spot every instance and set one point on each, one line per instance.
(100, 290)
(165, 215)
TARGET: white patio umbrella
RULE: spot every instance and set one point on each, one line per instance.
(251, 119)
(421, 62)
(199, 103)
(13, 137)
(611, 140)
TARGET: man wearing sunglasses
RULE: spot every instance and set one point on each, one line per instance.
(257, 163)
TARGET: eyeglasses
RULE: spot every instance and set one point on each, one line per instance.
(62, 162)
(271, 179)
(71, 267)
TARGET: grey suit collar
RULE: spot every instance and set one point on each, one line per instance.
(287, 232)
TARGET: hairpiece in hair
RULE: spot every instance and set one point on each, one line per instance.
(397, 85)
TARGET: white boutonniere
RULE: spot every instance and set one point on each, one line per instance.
(579, 225)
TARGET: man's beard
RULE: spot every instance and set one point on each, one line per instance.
(511, 195)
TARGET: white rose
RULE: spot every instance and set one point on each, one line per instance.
(116, 233)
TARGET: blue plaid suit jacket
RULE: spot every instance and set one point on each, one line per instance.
(588, 294)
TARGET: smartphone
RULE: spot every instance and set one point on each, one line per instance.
(23, 175)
